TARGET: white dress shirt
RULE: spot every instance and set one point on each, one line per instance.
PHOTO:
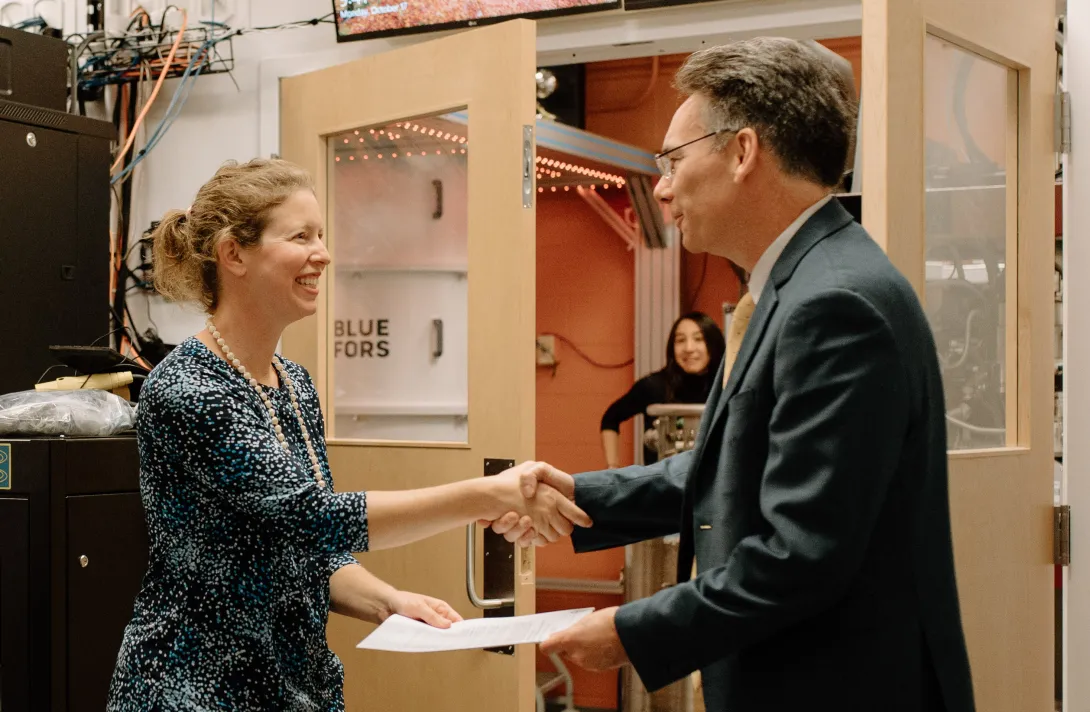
(763, 269)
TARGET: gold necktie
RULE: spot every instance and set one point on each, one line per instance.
(738, 323)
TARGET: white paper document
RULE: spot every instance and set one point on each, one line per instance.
(405, 635)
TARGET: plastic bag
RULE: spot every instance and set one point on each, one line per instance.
(88, 412)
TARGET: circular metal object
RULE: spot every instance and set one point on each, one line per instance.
(546, 83)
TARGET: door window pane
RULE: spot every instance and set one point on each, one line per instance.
(971, 239)
(399, 338)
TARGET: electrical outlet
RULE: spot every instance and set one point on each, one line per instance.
(546, 350)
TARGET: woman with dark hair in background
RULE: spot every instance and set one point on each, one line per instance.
(693, 353)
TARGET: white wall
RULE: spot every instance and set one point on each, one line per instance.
(221, 122)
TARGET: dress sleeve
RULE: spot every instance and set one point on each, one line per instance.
(340, 560)
(316, 425)
(643, 393)
(225, 442)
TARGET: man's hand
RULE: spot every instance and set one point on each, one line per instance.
(592, 643)
(518, 526)
(422, 608)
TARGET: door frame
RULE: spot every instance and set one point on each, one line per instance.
(1001, 499)
(1075, 490)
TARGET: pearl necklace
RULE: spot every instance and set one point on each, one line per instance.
(286, 380)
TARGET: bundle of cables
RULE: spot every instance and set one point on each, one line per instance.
(128, 62)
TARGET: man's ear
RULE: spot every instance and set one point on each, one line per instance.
(229, 256)
(745, 158)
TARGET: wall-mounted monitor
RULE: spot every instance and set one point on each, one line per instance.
(649, 4)
(367, 19)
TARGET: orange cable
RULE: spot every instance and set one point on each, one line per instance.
(154, 93)
(115, 236)
(126, 343)
(123, 98)
(115, 247)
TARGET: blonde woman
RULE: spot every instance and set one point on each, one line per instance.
(250, 545)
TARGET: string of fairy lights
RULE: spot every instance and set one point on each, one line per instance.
(387, 150)
(381, 144)
(552, 168)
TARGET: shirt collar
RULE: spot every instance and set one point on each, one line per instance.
(758, 278)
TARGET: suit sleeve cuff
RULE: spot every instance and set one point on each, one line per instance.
(583, 540)
(657, 663)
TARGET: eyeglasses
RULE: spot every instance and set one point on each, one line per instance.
(666, 166)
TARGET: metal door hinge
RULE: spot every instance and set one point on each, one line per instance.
(1061, 535)
(529, 169)
(1062, 122)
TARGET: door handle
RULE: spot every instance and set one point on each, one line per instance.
(438, 185)
(437, 326)
(471, 576)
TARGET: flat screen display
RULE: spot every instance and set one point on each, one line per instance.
(366, 19)
(650, 4)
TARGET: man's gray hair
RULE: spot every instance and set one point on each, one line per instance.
(793, 94)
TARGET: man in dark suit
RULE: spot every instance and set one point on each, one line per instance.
(815, 501)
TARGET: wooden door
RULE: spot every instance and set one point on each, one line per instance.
(423, 346)
(957, 176)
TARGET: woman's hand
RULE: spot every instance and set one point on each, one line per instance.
(422, 608)
(354, 591)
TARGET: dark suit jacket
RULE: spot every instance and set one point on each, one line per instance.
(815, 501)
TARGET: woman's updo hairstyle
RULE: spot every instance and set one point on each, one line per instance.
(234, 204)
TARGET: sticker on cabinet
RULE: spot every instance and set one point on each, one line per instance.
(5, 466)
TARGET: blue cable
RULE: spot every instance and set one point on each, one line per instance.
(29, 22)
(192, 71)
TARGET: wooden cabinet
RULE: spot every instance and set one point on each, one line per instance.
(73, 551)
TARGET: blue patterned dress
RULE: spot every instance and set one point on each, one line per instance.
(233, 609)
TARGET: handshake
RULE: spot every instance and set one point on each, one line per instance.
(533, 504)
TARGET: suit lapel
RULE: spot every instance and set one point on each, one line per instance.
(716, 406)
(831, 218)
(757, 326)
(715, 399)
